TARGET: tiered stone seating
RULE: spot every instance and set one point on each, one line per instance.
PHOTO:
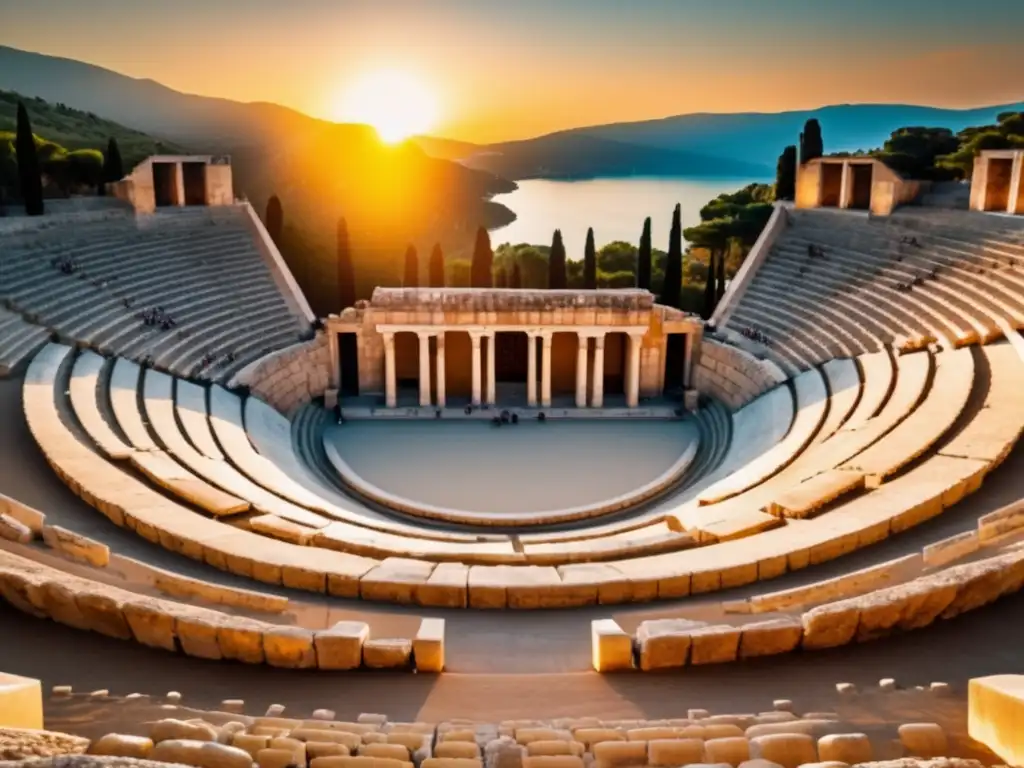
(965, 276)
(19, 340)
(202, 266)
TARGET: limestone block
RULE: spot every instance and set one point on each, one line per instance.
(395, 580)
(289, 647)
(722, 731)
(923, 739)
(184, 751)
(447, 587)
(76, 546)
(249, 742)
(341, 646)
(150, 624)
(315, 749)
(664, 643)
(591, 736)
(759, 763)
(845, 748)
(21, 702)
(428, 646)
(14, 530)
(995, 710)
(611, 754)
(672, 752)
(771, 637)
(351, 741)
(458, 734)
(553, 761)
(831, 625)
(386, 653)
(275, 758)
(653, 733)
(611, 647)
(790, 750)
(452, 762)
(463, 749)
(554, 747)
(733, 750)
(413, 741)
(358, 762)
(197, 634)
(59, 603)
(103, 613)
(241, 639)
(393, 751)
(714, 645)
(529, 734)
(214, 755)
(122, 745)
(179, 730)
(805, 726)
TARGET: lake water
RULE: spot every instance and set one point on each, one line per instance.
(615, 208)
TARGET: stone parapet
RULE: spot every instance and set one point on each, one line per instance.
(732, 375)
(289, 378)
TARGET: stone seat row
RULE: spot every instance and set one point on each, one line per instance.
(19, 340)
(48, 592)
(932, 485)
(944, 594)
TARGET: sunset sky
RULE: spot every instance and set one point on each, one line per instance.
(519, 68)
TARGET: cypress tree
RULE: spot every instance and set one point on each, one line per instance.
(556, 263)
(517, 277)
(720, 280)
(274, 219)
(671, 292)
(590, 263)
(813, 147)
(709, 286)
(113, 169)
(436, 267)
(785, 174)
(346, 273)
(411, 277)
(500, 278)
(643, 258)
(29, 175)
(483, 261)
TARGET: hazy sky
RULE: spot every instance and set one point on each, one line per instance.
(505, 69)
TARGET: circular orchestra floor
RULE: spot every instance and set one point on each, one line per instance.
(532, 466)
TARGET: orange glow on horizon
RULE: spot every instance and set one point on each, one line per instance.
(395, 103)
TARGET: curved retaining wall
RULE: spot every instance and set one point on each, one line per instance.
(445, 514)
(732, 375)
(289, 378)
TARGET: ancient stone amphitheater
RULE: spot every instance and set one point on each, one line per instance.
(811, 585)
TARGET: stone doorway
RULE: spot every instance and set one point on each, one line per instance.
(194, 177)
(616, 349)
(831, 184)
(348, 364)
(675, 365)
(165, 184)
(997, 185)
(863, 178)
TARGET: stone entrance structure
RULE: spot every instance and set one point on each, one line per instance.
(996, 184)
(861, 183)
(449, 340)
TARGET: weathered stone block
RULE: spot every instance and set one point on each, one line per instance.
(733, 750)
(848, 748)
(714, 645)
(790, 750)
(664, 643)
(831, 625)
(289, 647)
(122, 745)
(923, 739)
(386, 653)
(341, 646)
(771, 637)
(673, 752)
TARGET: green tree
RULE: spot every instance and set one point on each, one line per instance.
(345, 270)
(785, 175)
(517, 277)
(411, 274)
(113, 168)
(643, 258)
(671, 290)
(483, 260)
(29, 175)
(811, 143)
(274, 219)
(590, 263)
(709, 285)
(500, 278)
(531, 259)
(557, 277)
(437, 267)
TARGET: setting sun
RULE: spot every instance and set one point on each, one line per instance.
(395, 103)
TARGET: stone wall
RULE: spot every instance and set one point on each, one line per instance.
(731, 375)
(290, 377)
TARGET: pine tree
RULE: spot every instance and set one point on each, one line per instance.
(483, 261)
(709, 285)
(720, 280)
(557, 279)
(30, 178)
(411, 278)
(346, 272)
(436, 267)
(590, 263)
(113, 169)
(671, 292)
(500, 278)
(516, 280)
(812, 146)
(274, 219)
(785, 174)
(643, 258)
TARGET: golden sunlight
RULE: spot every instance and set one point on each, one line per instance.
(395, 103)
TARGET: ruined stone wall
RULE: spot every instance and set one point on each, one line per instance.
(290, 377)
(731, 375)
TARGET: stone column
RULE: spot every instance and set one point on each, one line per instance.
(633, 371)
(492, 394)
(441, 397)
(531, 370)
(545, 371)
(597, 388)
(390, 384)
(424, 338)
(581, 370)
(475, 338)
(335, 362)
(845, 185)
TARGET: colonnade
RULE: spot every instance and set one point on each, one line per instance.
(485, 392)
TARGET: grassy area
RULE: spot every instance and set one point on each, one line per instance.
(75, 129)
